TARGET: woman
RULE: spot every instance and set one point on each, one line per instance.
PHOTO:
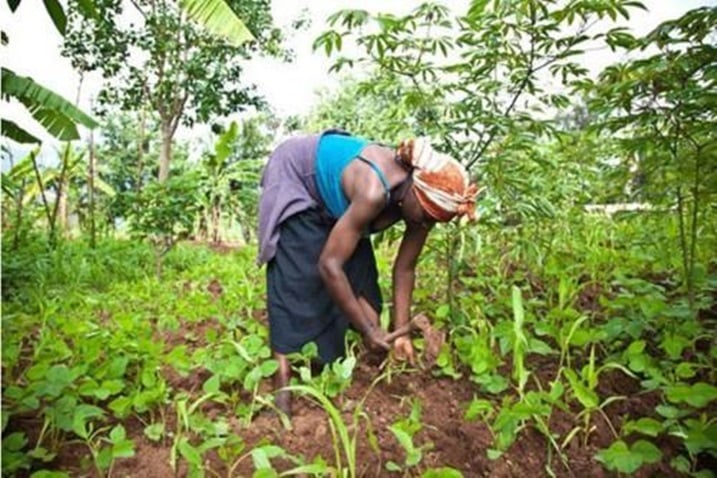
(322, 195)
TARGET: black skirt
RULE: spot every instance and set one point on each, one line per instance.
(299, 305)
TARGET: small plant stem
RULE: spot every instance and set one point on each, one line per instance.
(609, 423)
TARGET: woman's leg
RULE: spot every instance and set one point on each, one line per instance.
(282, 399)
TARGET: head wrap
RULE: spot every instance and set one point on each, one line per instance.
(440, 183)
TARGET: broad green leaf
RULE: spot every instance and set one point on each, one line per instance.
(218, 18)
(700, 437)
(269, 367)
(154, 431)
(212, 384)
(670, 412)
(189, 452)
(674, 345)
(42, 454)
(117, 434)
(587, 398)
(49, 474)
(537, 346)
(681, 464)
(698, 395)
(56, 114)
(648, 451)
(413, 455)
(11, 130)
(123, 449)
(442, 311)
(685, 370)
(265, 473)
(478, 407)
(445, 472)
(57, 13)
(646, 426)
(82, 414)
(57, 379)
(14, 442)
(619, 457)
(493, 454)
(121, 406)
(261, 456)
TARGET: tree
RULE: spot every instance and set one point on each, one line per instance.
(229, 175)
(59, 116)
(166, 64)
(372, 108)
(164, 213)
(128, 152)
(477, 82)
(663, 106)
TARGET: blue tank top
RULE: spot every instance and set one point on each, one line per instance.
(334, 152)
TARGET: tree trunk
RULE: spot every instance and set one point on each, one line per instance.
(216, 216)
(140, 150)
(165, 154)
(62, 210)
(43, 195)
(18, 217)
(91, 190)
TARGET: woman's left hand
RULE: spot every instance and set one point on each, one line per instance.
(403, 349)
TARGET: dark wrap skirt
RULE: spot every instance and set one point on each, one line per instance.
(299, 305)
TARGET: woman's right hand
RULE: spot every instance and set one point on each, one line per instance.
(403, 350)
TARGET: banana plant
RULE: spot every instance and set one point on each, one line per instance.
(222, 180)
(60, 117)
(15, 183)
(61, 180)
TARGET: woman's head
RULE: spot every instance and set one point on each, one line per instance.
(440, 184)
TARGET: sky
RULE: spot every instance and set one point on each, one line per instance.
(290, 88)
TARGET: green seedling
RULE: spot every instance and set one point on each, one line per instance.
(256, 353)
(583, 388)
(344, 442)
(190, 420)
(626, 458)
(104, 450)
(533, 408)
(404, 430)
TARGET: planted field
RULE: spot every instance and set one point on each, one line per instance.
(540, 197)
(589, 368)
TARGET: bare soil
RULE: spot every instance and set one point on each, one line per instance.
(448, 440)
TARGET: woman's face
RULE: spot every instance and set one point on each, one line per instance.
(412, 211)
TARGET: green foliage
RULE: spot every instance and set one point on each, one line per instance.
(628, 459)
(164, 213)
(217, 17)
(404, 431)
(373, 109)
(656, 103)
(229, 176)
(547, 308)
(57, 115)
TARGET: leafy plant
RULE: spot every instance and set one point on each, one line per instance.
(404, 430)
(629, 458)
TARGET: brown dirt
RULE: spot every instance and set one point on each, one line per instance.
(449, 440)
(215, 289)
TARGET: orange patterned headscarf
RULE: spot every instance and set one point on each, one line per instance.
(440, 183)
